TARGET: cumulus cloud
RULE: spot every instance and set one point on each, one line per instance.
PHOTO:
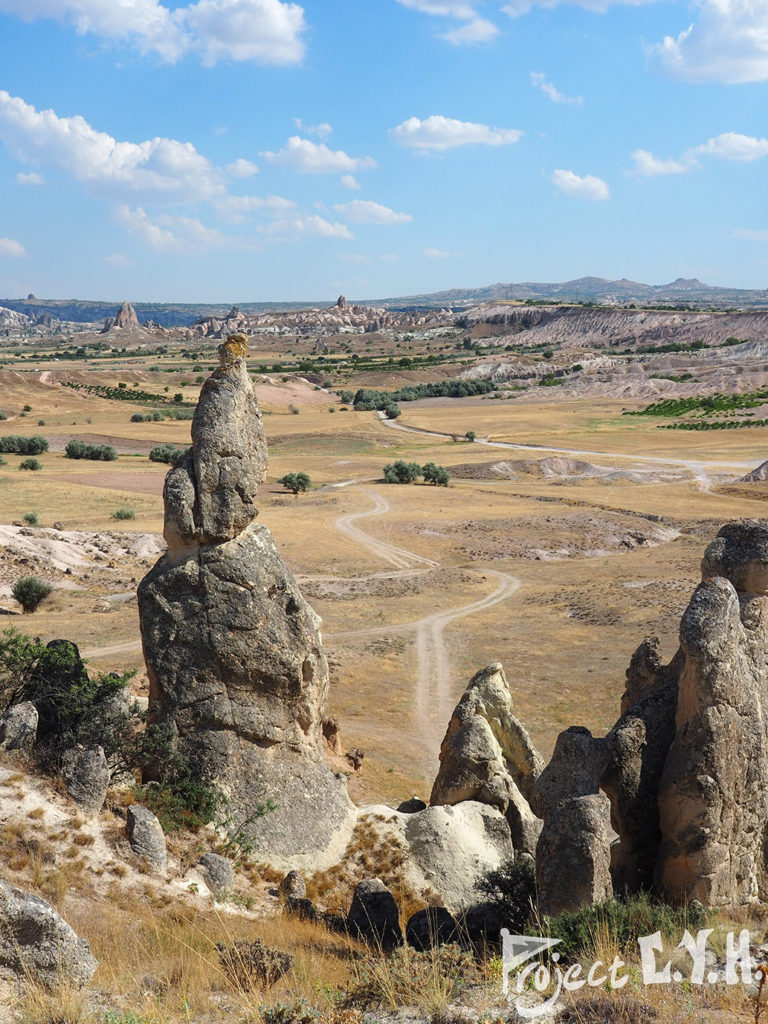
(539, 80)
(440, 254)
(242, 169)
(322, 130)
(174, 233)
(726, 146)
(350, 181)
(445, 8)
(582, 187)
(479, 30)
(309, 157)
(265, 31)
(649, 166)
(311, 224)
(728, 43)
(365, 211)
(10, 247)
(156, 170)
(234, 209)
(441, 133)
(33, 178)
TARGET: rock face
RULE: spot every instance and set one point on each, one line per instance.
(36, 942)
(488, 756)
(756, 475)
(126, 316)
(146, 836)
(86, 775)
(233, 652)
(684, 767)
(18, 727)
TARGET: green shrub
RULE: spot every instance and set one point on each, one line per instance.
(123, 513)
(3, 415)
(402, 472)
(470, 435)
(623, 919)
(31, 519)
(16, 445)
(295, 482)
(29, 591)
(437, 475)
(33, 464)
(511, 888)
(167, 453)
(97, 452)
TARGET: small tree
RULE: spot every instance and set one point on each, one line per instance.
(402, 472)
(29, 591)
(295, 482)
(437, 475)
(178, 397)
(470, 435)
(392, 412)
(30, 464)
(31, 519)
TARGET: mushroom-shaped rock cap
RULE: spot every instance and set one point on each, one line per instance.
(739, 553)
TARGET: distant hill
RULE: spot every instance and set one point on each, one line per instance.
(683, 291)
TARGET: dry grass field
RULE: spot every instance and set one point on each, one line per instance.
(559, 577)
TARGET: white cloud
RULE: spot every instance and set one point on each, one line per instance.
(174, 233)
(649, 166)
(117, 259)
(479, 30)
(440, 133)
(732, 146)
(10, 247)
(539, 80)
(516, 8)
(440, 254)
(308, 225)
(316, 158)
(242, 169)
(728, 43)
(350, 181)
(586, 187)
(234, 209)
(322, 130)
(266, 31)
(365, 211)
(33, 178)
(750, 234)
(157, 170)
(726, 146)
(445, 8)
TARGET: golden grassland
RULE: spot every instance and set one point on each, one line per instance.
(565, 637)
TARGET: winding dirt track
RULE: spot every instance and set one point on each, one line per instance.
(433, 702)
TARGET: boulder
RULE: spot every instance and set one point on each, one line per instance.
(146, 836)
(86, 775)
(18, 727)
(573, 857)
(373, 916)
(234, 655)
(488, 756)
(292, 887)
(433, 926)
(36, 942)
(218, 872)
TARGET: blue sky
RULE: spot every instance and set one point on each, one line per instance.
(235, 150)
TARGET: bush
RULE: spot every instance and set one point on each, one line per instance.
(123, 513)
(622, 919)
(33, 464)
(437, 475)
(470, 435)
(16, 445)
(511, 888)
(295, 482)
(31, 519)
(97, 452)
(167, 453)
(402, 472)
(3, 415)
(392, 412)
(29, 591)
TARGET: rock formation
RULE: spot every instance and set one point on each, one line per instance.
(488, 756)
(684, 767)
(756, 475)
(233, 652)
(126, 317)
